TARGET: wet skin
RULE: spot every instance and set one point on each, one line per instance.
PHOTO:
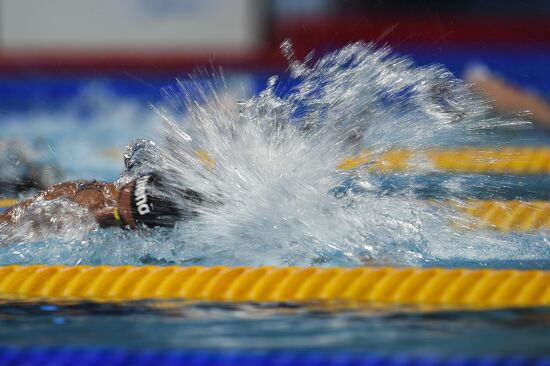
(100, 198)
(106, 216)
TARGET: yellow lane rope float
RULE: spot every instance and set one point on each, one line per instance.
(6, 202)
(506, 216)
(466, 288)
(513, 160)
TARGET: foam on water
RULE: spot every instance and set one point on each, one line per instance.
(274, 196)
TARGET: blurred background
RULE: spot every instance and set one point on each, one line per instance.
(77, 77)
(173, 37)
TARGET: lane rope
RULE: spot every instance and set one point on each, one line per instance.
(458, 288)
(506, 216)
(7, 202)
(513, 160)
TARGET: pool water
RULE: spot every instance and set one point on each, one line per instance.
(342, 328)
(280, 207)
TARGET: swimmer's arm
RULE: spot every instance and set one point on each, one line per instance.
(65, 189)
(507, 98)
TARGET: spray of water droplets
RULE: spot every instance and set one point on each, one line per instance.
(270, 166)
(268, 169)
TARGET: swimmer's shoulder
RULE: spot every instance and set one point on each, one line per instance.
(63, 189)
(68, 190)
(71, 188)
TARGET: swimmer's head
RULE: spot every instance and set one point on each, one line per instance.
(149, 201)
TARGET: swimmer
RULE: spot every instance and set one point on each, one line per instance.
(143, 202)
(509, 99)
(139, 198)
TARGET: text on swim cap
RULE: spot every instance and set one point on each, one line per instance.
(140, 196)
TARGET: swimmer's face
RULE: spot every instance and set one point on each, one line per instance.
(120, 215)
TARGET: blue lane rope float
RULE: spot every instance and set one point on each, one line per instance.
(18, 356)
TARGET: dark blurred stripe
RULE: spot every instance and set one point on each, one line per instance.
(431, 28)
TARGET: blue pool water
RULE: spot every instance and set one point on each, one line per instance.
(359, 328)
(82, 125)
(85, 136)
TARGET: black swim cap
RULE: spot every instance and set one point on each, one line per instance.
(153, 202)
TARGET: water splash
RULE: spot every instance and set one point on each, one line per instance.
(57, 219)
(272, 166)
(268, 168)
